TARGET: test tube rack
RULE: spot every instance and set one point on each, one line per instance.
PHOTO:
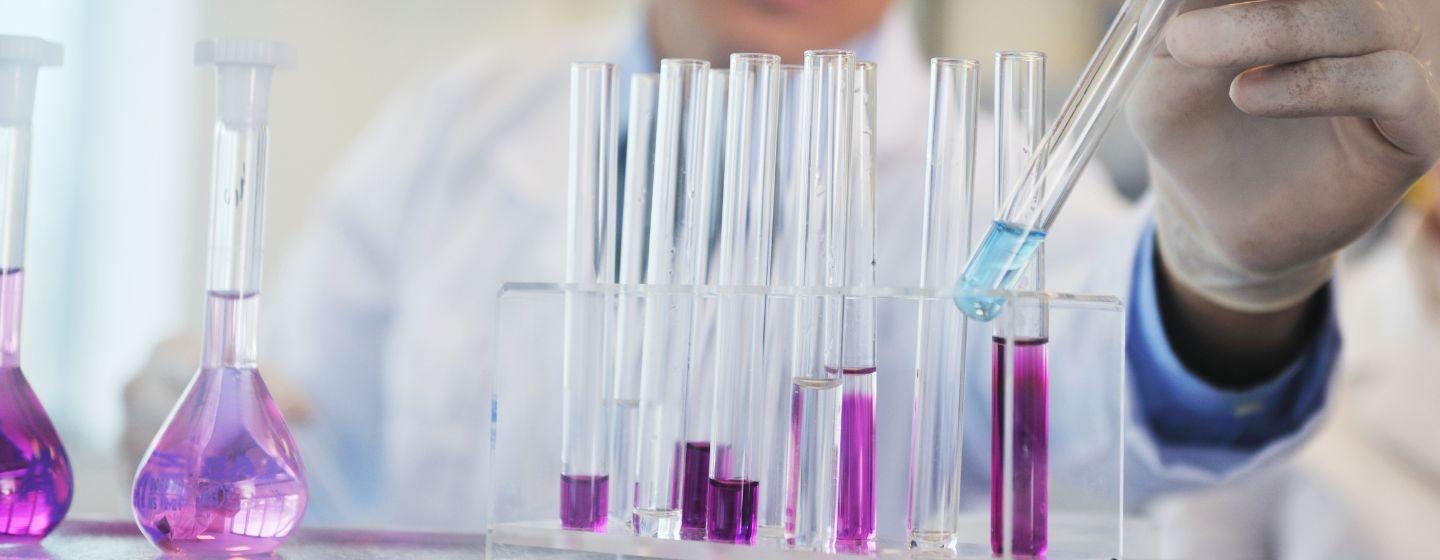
(1086, 454)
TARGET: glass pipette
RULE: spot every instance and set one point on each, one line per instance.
(1063, 154)
(223, 476)
(36, 483)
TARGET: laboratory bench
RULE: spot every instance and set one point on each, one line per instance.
(80, 539)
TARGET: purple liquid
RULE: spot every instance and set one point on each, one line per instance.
(732, 510)
(223, 477)
(36, 484)
(1031, 448)
(856, 502)
(696, 487)
(584, 501)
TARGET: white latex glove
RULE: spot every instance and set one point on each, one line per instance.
(1280, 131)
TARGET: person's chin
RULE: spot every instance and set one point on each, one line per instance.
(784, 6)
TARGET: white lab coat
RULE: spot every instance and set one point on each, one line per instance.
(1368, 486)
(386, 306)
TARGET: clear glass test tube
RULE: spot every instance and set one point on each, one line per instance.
(665, 361)
(1062, 155)
(745, 242)
(940, 351)
(1019, 126)
(815, 405)
(630, 309)
(589, 259)
(855, 510)
(700, 387)
(790, 188)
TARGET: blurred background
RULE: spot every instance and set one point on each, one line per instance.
(122, 148)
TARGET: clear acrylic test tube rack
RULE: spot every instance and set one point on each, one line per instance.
(1087, 412)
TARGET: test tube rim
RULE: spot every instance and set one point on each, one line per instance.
(684, 63)
(829, 53)
(955, 62)
(753, 57)
(1022, 56)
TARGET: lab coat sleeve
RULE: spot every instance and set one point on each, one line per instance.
(1188, 433)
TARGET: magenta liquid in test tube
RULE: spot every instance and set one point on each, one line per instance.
(677, 182)
(590, 260)
(700, 385)
(746, 223)
(934, 507)
(223, 476)
(855, 508)
(36, 483)
(1020, 338)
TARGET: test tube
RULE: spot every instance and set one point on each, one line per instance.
(700, 389)
(855, 512)
(935, 446)
(589, 260)
(1019, 125)
(815, 405)
(1062, 155)
(790, 185)
(746, 228)
(629, 321)
(665, 363)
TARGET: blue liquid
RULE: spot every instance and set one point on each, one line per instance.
(995, 266)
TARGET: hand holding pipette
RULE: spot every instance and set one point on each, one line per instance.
(1278, 133)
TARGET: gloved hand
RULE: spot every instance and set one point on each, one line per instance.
(1279, 131)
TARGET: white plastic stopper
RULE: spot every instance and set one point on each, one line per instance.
(243, 71)
(20, 57)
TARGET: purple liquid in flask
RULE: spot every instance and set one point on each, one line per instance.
(855, 511)
(695, 489)
(584, 501)
(1031, 448)
(223, 477)
(732, 507)
(36, 484)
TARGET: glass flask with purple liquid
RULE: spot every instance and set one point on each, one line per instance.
(36, 484)
(223, 476)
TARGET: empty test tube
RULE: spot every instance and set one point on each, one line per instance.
(855, 510)
(1021, 340)
(700, 386)
(790, 186)
(634, 226)
(815, 408)
(746, 227)
(940, 358)
(589, 259)
(665, 358)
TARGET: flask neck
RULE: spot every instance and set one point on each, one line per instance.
(237, 219)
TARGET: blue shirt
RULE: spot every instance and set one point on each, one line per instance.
(1183, 411)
